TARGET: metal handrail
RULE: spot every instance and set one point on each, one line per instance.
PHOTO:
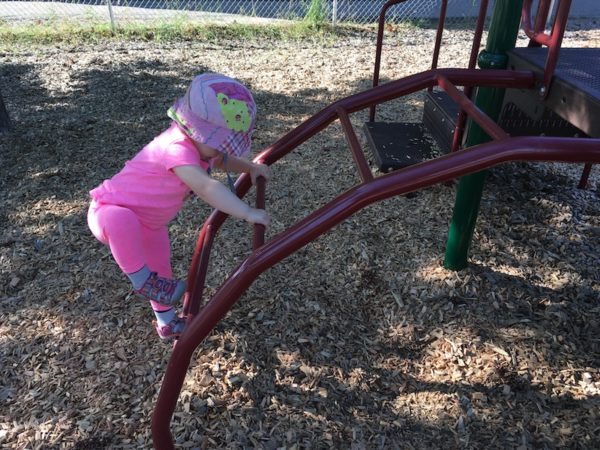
(538, 35)
(461, 120)
(318, 122)
(401, 182)
(201, 322)
(379, 44)
(466, 105)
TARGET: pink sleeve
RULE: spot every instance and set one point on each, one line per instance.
(182, 154)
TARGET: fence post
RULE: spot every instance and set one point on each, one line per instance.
(111, 15)
(334, 13)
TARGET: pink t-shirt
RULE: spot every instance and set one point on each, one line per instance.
(147, 185)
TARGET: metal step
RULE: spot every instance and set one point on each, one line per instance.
(439, 118)
(398, 145)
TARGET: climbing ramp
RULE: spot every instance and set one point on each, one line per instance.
(372, 189)
(454, 86)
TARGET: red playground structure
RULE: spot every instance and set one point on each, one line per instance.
(538, 84)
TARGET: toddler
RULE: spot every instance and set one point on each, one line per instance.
(211, 126)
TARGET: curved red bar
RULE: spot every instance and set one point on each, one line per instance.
(536, 33)
(201, 322)
(396, 183)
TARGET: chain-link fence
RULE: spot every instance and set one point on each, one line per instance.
(120, 12)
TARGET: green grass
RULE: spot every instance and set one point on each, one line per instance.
(317, 13)
(63, 31)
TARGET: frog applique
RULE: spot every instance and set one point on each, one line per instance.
(235, 112)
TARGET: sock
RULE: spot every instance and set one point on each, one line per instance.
(164, 317)
(139, 278)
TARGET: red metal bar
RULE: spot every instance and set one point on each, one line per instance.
(585, 174)
(439, 33)
(357, 153)
(538, 35)
(378, 48)
(558, 31)
(483, 7)
(461, 120)
(465, 104)
(536, 32)
(197, 273)
(259, 230)
(395, 183)
(541, 18)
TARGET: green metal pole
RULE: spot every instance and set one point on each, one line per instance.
(502, 37)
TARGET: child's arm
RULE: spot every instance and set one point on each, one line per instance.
(218, 196)
(242, 165)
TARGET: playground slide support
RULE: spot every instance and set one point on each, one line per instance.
(316, 224)
(501, 38)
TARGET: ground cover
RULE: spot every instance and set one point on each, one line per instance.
(360, 340)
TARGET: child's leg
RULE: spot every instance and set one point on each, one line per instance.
(120, 229)
(133, 246)
(158, 258)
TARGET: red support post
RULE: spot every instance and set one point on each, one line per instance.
(481, 118)
(357, 153)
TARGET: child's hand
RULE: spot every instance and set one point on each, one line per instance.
(259, 170)
(259, 216)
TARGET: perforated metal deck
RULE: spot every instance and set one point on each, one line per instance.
(575, 90)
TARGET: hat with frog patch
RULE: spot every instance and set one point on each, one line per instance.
(217, 111)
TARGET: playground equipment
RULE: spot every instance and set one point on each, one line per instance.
(486, 144)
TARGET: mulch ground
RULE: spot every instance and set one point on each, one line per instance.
(359, 340)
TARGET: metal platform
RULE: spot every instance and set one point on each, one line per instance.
(574, 93)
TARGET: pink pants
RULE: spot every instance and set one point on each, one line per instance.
(131, 243)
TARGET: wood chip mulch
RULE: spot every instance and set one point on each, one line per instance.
(360, 340)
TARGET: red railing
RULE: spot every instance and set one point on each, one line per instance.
(264, 256)
(538, 36)
(396, 183)
(339, 110)
(483, 7)
(371, 190)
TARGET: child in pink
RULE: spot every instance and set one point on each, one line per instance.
(211, 126)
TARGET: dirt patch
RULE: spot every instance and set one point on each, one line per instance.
(359, 340)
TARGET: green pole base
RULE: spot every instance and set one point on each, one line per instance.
(466, 208)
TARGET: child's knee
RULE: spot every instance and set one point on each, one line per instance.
(112, 220)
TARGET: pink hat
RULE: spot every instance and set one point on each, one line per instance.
(217, 111)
